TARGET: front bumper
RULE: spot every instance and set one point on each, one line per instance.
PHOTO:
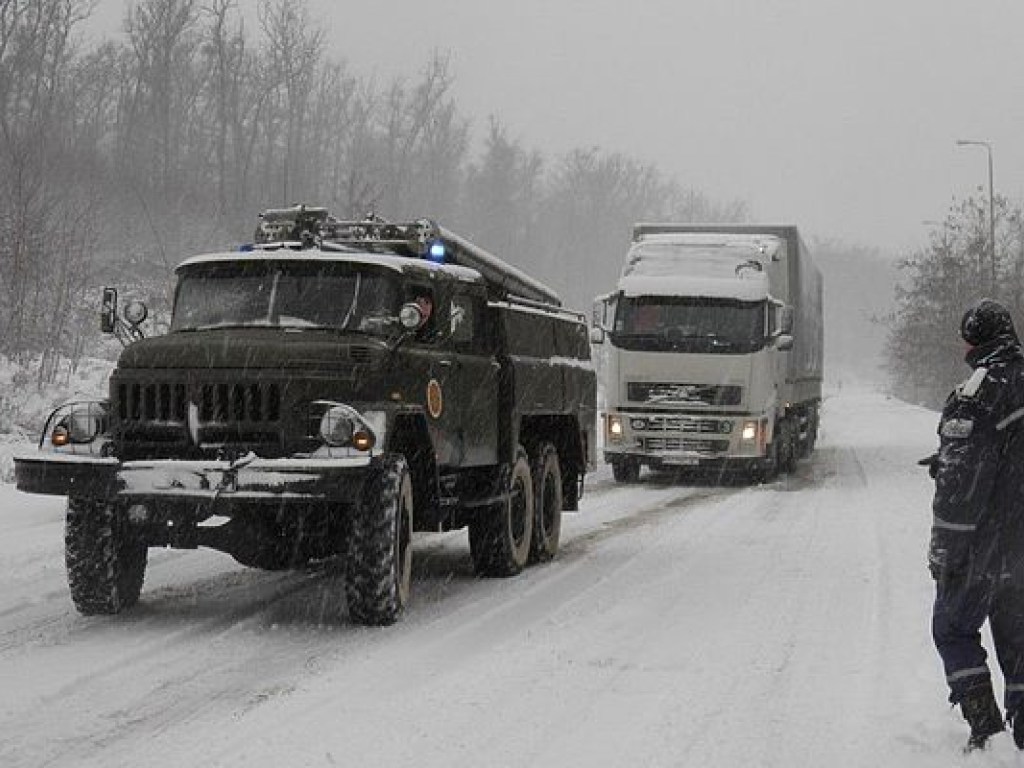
(258, 480)
(696, 462)
(696, 440)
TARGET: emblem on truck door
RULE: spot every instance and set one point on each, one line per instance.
(435, 399)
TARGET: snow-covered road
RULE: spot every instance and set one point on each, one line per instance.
(682, 625)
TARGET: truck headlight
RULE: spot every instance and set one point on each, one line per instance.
(749, 430)
(343, 426)
(615, 430)
(78, 423)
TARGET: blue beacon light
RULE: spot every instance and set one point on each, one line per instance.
(436, 252)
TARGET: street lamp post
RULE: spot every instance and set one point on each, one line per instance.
(991, 205)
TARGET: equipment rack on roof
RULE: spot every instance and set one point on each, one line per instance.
(304, 226)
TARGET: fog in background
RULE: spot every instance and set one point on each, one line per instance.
(838, 116)
(548, 128)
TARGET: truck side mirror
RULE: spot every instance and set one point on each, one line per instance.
(603, 309)
(597, 335)
(108, 311)
(786, 320)
(784, 342)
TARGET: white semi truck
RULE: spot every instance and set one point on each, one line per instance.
(713, 351)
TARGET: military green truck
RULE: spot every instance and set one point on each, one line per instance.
(322, 394)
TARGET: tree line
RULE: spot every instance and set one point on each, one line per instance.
(924, 351)
(120, 158)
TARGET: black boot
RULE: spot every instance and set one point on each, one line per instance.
(1016, 721)
(982, 713)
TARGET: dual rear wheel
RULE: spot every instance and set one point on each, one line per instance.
(526, 526)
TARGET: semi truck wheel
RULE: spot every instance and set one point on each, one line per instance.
(546, 472)
(499, 539)
(626, 470)
(788, 444)
(105, 559)
(379, 563)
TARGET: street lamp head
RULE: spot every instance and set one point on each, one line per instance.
(972, 142)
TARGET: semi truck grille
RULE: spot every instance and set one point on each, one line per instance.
(662, 393)
(683, 444)
(676, 424)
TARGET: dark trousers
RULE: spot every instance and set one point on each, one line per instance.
(960, 611)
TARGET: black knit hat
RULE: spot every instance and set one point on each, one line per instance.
(985, 321)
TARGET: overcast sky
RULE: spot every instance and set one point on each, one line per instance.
(836, 115)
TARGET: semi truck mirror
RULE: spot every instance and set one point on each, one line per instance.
(108, 312)
(786, 320)
(784, 343)
(597, 335)
(603, 312)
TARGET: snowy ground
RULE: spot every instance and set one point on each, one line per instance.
(682, 625)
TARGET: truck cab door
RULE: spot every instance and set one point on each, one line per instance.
(473, 377)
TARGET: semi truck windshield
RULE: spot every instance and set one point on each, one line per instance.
(673, 324)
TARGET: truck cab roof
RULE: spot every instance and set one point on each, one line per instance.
(706, 265)
(402, 264)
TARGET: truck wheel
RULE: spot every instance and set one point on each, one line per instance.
(105, 559)
(626, 470)
(499, 539)
(546, 472)
(769, 470)
(379, 563)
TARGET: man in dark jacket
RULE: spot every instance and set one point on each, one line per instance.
(976, 553)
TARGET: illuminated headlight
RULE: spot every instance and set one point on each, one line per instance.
(615, 430)
(749, 430)
(77, 423)
(343, 426)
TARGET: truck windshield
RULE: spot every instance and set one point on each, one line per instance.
(286, 295)
(673, 324)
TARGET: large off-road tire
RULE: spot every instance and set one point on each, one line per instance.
(626, 470)
(499, 538)
(546, 472)
(105, 558)
(379, 561)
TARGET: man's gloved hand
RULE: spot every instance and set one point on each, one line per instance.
(932, 462)
(937, 559)
(947, 557)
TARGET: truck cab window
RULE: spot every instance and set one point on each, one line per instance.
(463, 321)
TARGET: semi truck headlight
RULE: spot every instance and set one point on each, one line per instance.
(749, 430)
(615, 430)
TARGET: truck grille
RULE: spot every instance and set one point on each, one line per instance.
(683, 444)
(677, 394)
(222, 402)
(677, 424)
(178, 419)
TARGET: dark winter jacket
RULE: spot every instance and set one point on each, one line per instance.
(978, 524)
